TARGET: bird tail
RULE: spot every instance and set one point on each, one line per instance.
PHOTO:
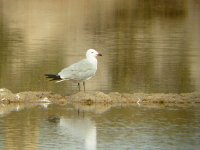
(53, 77)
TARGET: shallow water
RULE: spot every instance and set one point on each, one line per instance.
(120, 128)
(147, 46)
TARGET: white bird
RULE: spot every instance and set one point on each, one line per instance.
(80, 71)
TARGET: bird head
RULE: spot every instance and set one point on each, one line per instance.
(92, 53)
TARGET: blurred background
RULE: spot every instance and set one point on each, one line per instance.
(147, 46)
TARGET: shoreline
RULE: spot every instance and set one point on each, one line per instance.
(170, 99)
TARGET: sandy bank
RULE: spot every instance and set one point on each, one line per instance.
(6, 97)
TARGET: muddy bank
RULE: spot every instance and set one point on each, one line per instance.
(6, 97)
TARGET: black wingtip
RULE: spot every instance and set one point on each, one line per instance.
(53, 77)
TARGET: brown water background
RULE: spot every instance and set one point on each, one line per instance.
(147, 46)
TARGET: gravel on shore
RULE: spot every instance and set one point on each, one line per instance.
(187, 99)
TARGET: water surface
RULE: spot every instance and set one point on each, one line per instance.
(119, 128)
(147, 46)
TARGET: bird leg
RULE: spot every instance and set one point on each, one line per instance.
(79, 87)
(84, 85)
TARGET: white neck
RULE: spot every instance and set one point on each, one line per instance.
(92, 60)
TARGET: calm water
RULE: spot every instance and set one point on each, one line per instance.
(118, 128)
(148, 46)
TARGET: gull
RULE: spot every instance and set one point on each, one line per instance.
(79, 72)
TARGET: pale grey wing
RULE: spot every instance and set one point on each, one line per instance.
(80, 71)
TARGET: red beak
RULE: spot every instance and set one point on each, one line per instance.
(99, 54)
